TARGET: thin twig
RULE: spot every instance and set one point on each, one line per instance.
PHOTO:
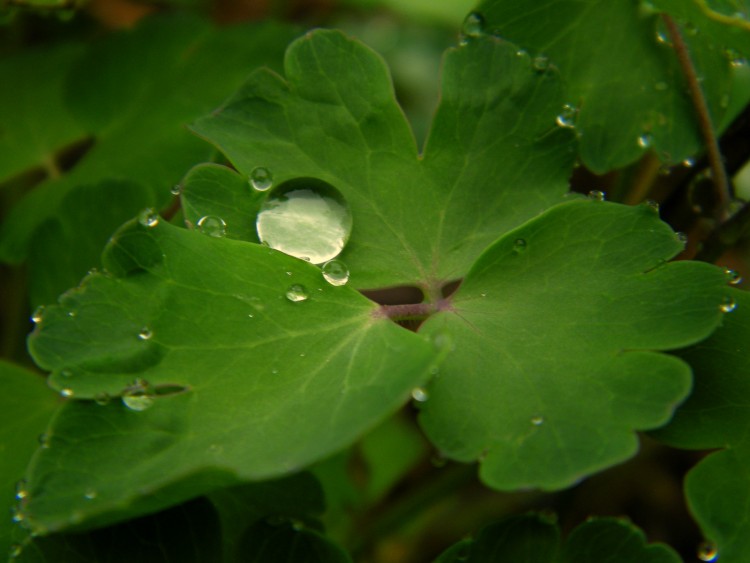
(721, 182)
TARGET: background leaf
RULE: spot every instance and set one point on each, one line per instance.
(555, 333)
(630, 84)
(716, 416)
(493, 159)
(239, 381)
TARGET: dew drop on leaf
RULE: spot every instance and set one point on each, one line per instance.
(420, 394)
(707, 551)
(652, 205)
(212, 226)
(644, 141)
(38, 314)
(139, 396)
(335, 272)
(44, 441)
(540, 63)
(66, 392)
(567, 117)
(17, 515)
(102, 399)
(688, 162)
(21, 490)
(728, 305)
(148, 218)
(733, 277)
(145, 333)
(296, 293)
(597, 195)
(519, 245)
(176, 189)
(261, 179)
(473, 25)
(90, 494)
(305, 217)
(681, 237)
(537, 420)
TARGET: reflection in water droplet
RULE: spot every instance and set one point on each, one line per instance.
(296, 293)
(38, 314)
(728, 305)
(102, 399)
(688, 162)
(473, 26)
(707, 551)
(145, 333)
(66, 392)
(644, 141)
(176, 189)
(681, 238)
(568, 116)
(21, 490)
(734, 277)
(335, 272)
(90, 494)
(212, 226)
(540, 63)
(537, 420)
(519, 245)
(261, 179)
(17, 515)
(420, 394)
(307, 218)
(596, 195)
(148, 218)
(139, 396)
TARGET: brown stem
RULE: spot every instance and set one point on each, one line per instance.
(721, 182)
(407, 311)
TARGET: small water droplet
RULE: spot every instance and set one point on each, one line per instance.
(645, 140)
(473, 26)
(652, 204)
(688, 162)
(597, 195)
(540, 63)
(72, 313)
(139, 396)
(296, 293)
(662, 37)
(739, 63)
(519, 245)
(661, 86)
(21, 491)
(728, 305)
(335, 272)
(522, 53)
(305, 217)
(261, 179)
(148, 218)
(567, 117)
(44, 441)
(420, 394)
(707, 551)
(275, 371)
(38, 315)
(15, 550)
(537, 420)
(176, 189)
(90, 494)
(288, 273)
(17, 515)
(681, 238)
(734, 277)
(212, 226)
(102, 399)
(67, 392)
(145, 333)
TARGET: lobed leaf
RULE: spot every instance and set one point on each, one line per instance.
(231, 379)
(555, 336)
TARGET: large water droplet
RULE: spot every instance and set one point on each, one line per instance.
(567, 117)
(335, 272)
(728, 305)
(139, 396)
(212, 226)
(707, 551)
(148, 218)
(473, 25)
(596, 195)
(261, 179)
(296, 293)
(305, 217)
(733, 277)
(420, 394)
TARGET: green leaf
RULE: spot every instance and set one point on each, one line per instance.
(555, 335)
(533, 538)
(494, 157)
(26, 405)
(716, 416)
(224, 377)
(35, 121)
(285, 543)
(134, 92)
(624, 82)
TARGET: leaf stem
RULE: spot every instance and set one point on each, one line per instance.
(720, 180)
